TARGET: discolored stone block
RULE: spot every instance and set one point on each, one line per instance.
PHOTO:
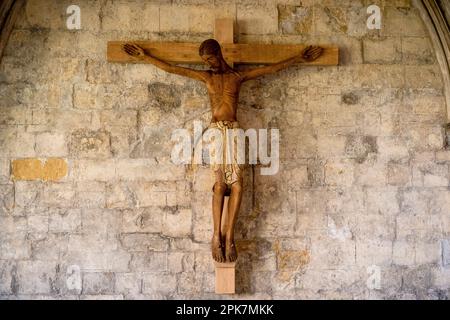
(295, 19)
(52, 169)
(90, 144)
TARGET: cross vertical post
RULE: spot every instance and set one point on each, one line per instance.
(225, 272)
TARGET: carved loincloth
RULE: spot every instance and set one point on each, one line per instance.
(225, 164)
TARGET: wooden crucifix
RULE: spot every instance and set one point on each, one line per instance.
(223, 84)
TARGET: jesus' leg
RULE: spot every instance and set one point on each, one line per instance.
(233, 208)
(217, 205)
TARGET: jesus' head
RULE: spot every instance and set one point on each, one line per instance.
(211, 53)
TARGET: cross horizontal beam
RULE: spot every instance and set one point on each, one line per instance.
(240, 53)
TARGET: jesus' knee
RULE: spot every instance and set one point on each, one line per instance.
(220, 188)
(237, 187)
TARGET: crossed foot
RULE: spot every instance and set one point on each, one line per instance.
(230, 254)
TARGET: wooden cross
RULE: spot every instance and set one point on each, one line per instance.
(240, 53)
(187, 53)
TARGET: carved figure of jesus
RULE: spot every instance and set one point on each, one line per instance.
(223, 84)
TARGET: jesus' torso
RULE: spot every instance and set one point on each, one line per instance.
(223, 90)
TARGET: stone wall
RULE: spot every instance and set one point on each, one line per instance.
(92, 207)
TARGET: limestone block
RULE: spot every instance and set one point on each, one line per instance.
(124, 17)
(257, 19)
(35, 277)
(295, 19)
(52, 169)
(415, 201)
(8, 285)
(403, 21)
(143, 220)
(331, 20)
(190, 18)
(95, 261)
(38, 223)
(439, 201)
(90, 144)
(419, 228)
(178, 223)
(181, 262)
(382, 51)
(417, 50)
(64, 220)
(365, 249)
(49, 144)
(128, 284)
(379, 76)
(329, 253)
(83, 170)
(375, 227)
(12, 115)
(430, 175)
(423, 76)
(14, 246)
(339, 173)
(143, 242)
(149, 261)
(161, 283)
(55, 16)
(118, 118)
(98, 283)
(16, 142)
(398, 174)
(403, 253)
(7, 198)
(371, 173)
(331, 146)
(58, 195)
(61, 120)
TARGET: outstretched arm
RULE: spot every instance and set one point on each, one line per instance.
(310, 53)
(139, 54)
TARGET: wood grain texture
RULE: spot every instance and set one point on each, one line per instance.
(225, 277)
(224, 30)
(186, 52)
(224, 33)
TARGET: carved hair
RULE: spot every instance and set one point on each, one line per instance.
(209, 46)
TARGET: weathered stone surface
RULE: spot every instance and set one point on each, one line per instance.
(159, 283)
(149, 261)
(120, 16)
(36, 277)
(7, 200)
(178, 223)
(143, 219)
(143, 242)
(14, 246)
(86, 178)
(256, 18)
(128, 284)
(52, 169)
(98, 283)
(445, 253)
(8, 277)
(295, 19)
(382, 51)
(51, 145)
(90, 144)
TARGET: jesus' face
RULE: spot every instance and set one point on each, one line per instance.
(212, 60)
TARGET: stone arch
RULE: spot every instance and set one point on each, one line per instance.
(436, 16)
